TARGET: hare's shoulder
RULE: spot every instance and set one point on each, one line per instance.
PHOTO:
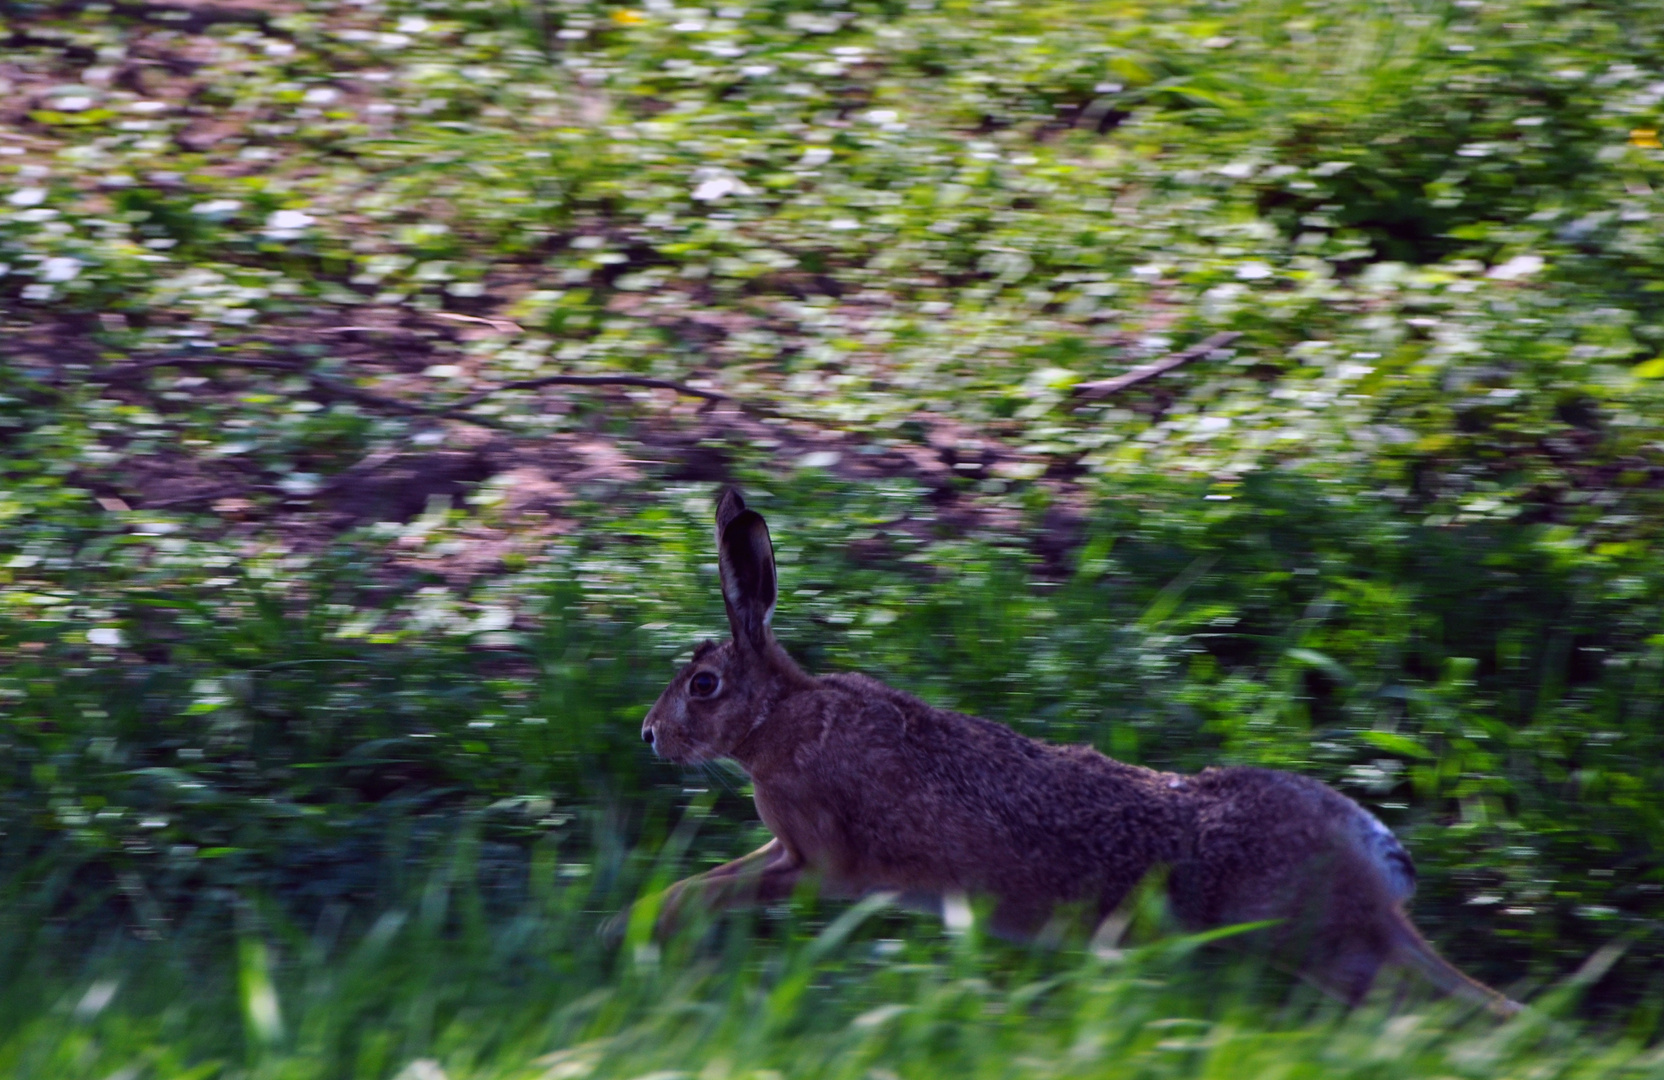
(880, 712)
(857, 707)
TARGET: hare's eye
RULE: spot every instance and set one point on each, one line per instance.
(703, 684)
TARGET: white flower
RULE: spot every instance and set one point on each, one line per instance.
(59, 268)
(104, 635)
(422, 1069)
(1253, 271)
(301, 483)
(29, 196)
(493, 619)
(717, 183)
(217, 208)
(1520, 266)
(289, 219)
(287, 224)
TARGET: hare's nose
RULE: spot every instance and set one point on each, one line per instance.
(647, 735)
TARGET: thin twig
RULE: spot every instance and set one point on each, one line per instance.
(584, 380)
(1105, 387)
(221, 492)
(502, 326)
(406, 331)
(127, 371)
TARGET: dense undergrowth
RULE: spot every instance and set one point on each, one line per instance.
(432, 990)
(1495, 706)
(319, 753)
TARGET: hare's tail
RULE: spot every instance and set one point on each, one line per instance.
(1413, 950)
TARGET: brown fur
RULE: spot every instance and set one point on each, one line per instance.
(870, 789)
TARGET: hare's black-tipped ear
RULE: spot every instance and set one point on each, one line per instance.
(729, 506)
(746, 560)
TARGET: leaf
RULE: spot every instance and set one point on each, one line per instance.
(1171, 594)
(1394, 743)
(1322, 662)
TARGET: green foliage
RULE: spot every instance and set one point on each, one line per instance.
(1495, 705)
(302, 786)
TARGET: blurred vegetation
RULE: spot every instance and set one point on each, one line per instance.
(324, 645)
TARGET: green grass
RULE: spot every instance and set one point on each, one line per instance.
(438, 989)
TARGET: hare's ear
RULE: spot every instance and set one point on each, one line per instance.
(746, 560)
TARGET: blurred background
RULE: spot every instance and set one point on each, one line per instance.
(1216, 382)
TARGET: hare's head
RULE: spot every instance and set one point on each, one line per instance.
(724, 692)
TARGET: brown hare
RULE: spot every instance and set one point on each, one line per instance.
(867, 789)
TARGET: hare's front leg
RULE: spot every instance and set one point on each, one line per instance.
(765, 876)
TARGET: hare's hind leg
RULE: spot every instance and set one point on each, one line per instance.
(1345, 961)
(1316, 930)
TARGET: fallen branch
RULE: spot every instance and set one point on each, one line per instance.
(502, 326)
(213, 493)
(342, 388)
(1105, 387)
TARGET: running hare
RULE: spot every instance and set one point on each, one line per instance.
(869, 789)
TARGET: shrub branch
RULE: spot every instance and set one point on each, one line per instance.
(1106, 387)
(455, 410)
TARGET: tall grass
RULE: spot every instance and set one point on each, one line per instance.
(434, 989)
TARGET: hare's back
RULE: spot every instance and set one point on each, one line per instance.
(968, 803)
